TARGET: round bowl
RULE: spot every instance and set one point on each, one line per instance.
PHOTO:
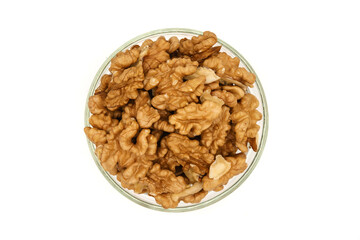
(252, 157)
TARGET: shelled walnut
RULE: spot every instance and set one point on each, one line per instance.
(174, 118)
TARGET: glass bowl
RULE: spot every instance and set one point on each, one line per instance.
(252, 157)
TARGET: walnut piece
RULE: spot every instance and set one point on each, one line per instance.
(128, 76)
(165, 110)
(171, 91)
(191, 175)
(189, 152)
(156, 54)
(164, 125)
(171, 200)
(238, 165)
(206, 96)
(164, 181)
(201, 56)
(195, 118)
(229, 148)
(130, 131)
(168, 160)
(97, 136)
(123, 60)
(146, 116)
(219, 168)
(215, 136)
(102, 121)
(104, 82)
(113, 158)
(212, 86)
(254, 142)
(197, 44)
(96, 104)
(195, 198)
(225, 66)
(208, 73)
(228, 98)
(235, 90)
(119, 97)
(174, 44)
(244, 117)
(134, 176)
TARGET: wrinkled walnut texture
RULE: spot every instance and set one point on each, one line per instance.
(174, 118)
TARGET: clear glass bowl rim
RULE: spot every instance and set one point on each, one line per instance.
(231, 188)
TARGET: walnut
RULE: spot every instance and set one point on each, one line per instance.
(171, 200)
(107, 158)
(130, 131)
(172, 92)
(201, 56)
(225, 66)
(112, 157)
(124, 87)
(128, 76)
(157, 54)
(186, 47)
(212, 86)
(119, 97)
(242, 121)
(114, 131)
(254, 142)
(152, 147)
(195, 118)
(235, 90)
(208, 73)
(146, 116)
(97, 136)
(142, 99)
(150, 82)
(195, 198)
(244, 117)
(134, 176)
(238, 165)
(104, 82)
(219, 168)
(164, 125)
(102, 121)
(97, 104)
(146, 44)
(123, 60)
(191, 175)
(197, 44)
(172, 72)
(228, 98)
(174, 44)
(164, 181)
(163, 113)
(195, 86)
(215, 136)
(204, 42)
(165, 102)
(144, 49)
(189, 152)
(169, 160)
(229, 148)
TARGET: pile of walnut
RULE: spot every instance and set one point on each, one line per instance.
(170, 118)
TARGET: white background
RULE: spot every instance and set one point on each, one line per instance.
(307, 183)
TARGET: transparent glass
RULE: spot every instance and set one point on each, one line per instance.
(252, 157)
